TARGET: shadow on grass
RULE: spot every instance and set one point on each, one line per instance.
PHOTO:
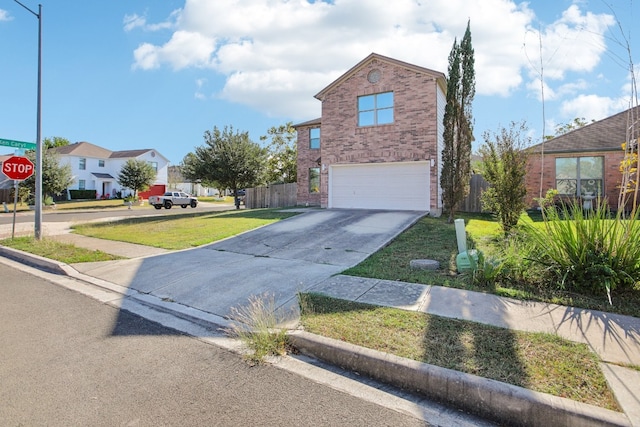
(464, 346)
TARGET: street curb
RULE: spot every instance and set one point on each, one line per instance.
(484, 397)
(36, 261)
(487, 398)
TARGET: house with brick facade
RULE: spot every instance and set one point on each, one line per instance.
(378, 142)
(582, 164)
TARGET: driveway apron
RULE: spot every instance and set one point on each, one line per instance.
(278, 260)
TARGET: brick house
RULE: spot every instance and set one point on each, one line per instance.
(582, 163)
(378, 142)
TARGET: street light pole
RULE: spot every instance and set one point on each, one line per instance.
(38, 165)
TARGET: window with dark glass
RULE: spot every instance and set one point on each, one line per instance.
(580, 176)
(81, 184)
(100, 163)
(376, 109)
(314, 138)
(82, 164)
(314, 180)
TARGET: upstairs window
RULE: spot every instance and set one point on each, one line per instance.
(154, 165)
(314, 138)
(375, 109)
(82, 164)
(100, 163)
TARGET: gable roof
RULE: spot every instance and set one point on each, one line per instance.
(440, 77)
(604, 135)
(85, 149)
(128, 153)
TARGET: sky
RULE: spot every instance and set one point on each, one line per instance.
(137, 74)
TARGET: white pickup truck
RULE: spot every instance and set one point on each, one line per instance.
(170, 198)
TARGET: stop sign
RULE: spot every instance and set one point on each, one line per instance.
(17, 168)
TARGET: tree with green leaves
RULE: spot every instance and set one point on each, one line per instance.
(55, 177)
(504, 167)
(56, 141)
(137, 175)
(282, 158)
(458, 125)
(229, 158)
(574, 124)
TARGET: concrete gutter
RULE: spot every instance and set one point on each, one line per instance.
(487, 398)
(36, 261)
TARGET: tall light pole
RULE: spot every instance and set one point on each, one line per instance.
(38, 201)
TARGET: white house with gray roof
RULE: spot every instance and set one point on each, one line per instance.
(96, 168)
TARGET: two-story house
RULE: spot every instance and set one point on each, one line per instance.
(379, 140)
(96, 168)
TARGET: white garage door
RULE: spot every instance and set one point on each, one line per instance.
(396, 186)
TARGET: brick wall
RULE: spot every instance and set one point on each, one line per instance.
(412, 136)
(307, 158)
(612, 175)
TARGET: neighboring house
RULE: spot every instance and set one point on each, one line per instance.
(96, 168)
(379, 140)
(582, 163)
(177, 182)
(5, 183)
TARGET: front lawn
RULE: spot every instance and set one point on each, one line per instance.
(433, 238)
(182, 231)
(52, 249)
(537, 361)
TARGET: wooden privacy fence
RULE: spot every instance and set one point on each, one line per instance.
(272, 196)
(5, 195)
(472, 202)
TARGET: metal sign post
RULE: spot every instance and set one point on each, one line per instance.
(15, 204)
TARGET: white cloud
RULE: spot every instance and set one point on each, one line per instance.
(134, 21)
(200, 83)
(593, 107)
(4, 16)
(276, 54)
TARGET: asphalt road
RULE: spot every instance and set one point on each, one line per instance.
(66, 359)
(71, 215)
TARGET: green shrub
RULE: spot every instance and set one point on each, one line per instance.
(587, 251)
(82, 194)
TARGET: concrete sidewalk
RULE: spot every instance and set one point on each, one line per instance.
(615, 338)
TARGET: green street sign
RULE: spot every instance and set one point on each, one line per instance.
(18, 144)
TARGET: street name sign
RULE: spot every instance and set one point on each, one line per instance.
(18, 144)
(17, 168)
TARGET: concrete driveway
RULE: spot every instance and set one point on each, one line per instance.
(280, 259)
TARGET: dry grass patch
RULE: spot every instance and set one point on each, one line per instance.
(540, 362)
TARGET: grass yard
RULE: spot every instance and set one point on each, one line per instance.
(433, 238)
(183, 231)
(63, 252)
(540, 362)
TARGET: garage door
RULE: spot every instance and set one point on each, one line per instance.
(396, 186)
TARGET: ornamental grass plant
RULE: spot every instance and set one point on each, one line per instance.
(587, 251)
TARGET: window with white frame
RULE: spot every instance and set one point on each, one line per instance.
(314, 138)
(580, 176)
(82, 164)
(82, 184)
(154, 165)
(376, 109)
(100, 163)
